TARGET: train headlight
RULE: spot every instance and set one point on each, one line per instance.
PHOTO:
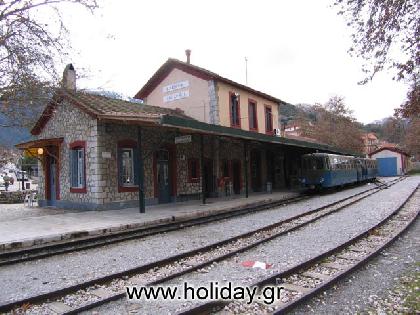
(303, 180)
(321, 180)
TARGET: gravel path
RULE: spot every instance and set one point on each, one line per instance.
(34, 277)
(361, 292)
(283, 252)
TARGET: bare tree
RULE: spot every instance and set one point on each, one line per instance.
(385, 34)
(411, 107)
(30, 48)
(335, 125)
(412, 142)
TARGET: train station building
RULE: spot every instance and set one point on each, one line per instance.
(188, 134)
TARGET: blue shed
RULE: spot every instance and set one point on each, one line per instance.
(391, 161)
(387, 166)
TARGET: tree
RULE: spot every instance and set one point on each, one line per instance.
(393, 130)
(335, 125)
(30, 48)
(385, 34)
(412, 142)
(411, 107)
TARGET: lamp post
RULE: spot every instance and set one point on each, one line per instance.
(23, 175)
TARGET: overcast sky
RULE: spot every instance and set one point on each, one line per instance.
(296, 50)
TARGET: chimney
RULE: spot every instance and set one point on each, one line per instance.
(69, 78)
(188, 53)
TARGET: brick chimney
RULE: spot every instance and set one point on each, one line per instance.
(69, 78)
(188, 53)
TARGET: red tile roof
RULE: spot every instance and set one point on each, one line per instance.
(393, 149)
(102, 107)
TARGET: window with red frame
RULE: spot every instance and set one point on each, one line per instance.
(128, 166)
(235, 117)
(77, 167)
(268, 120)
(252, 115)
(193, 170)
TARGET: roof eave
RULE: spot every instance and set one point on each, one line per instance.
(200, 127)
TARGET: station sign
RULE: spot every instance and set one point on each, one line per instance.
(183, 139)
(176, 86)
(176, 96)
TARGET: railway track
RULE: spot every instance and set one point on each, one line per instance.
(73, 299)
(310, 278)
(9, 257)
(43, 251)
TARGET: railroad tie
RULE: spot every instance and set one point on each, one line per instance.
(333, 266)
(316, 275)
(101, 293)
(347, 256)
(138, 281)
(59, 307)
(294, 287)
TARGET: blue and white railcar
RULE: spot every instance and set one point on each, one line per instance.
(322, 170)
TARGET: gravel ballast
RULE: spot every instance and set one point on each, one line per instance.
(40, 276)
(371, 289)
(283, 252)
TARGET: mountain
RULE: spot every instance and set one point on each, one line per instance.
(9, 136)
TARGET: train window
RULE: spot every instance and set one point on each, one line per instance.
(313, 163)
(319, 163)
(304, 164)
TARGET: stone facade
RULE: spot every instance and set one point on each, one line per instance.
(101, 165)
(73, 125)
(214, 103)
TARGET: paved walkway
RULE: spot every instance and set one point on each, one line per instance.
(44, 228)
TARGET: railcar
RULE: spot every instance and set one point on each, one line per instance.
(323, 170)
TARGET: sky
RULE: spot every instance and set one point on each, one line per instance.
(296, 50)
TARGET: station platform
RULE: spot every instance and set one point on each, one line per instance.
(42, 225)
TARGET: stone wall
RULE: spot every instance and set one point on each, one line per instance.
(153, 139)
(110, 134)
(102, 166)
(213, 103)
(73, 125)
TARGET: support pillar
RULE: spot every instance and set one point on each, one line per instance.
(142, 204)
(246, 168)
(203, 193)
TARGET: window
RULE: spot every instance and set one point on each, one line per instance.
(313, 163)
(252, 115)
(234, 109)
(127, 166)
(127, 169)
(268, 119)
(77, 167)
(193, 170)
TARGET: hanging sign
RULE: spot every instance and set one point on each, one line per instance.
(183, 139)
